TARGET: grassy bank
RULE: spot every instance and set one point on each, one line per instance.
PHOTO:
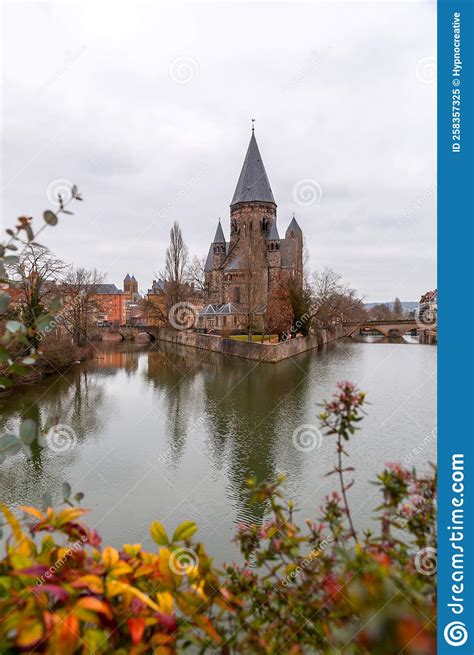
(255, 337)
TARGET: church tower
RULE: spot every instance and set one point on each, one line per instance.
(241, 272)
(294, 247)
(130, 285)
(253, 207)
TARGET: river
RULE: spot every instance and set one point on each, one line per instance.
(173, 433)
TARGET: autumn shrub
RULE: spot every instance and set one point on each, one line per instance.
(324, 588)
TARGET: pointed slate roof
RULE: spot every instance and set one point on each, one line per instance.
(293, 226)
(253, 182)
(127, 278)
(219, 237)
(273, 234)
(208, 264)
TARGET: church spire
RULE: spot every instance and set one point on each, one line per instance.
(253, 184)
(219, 237)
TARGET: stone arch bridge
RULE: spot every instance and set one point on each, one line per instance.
(386, 328)
(126, 333)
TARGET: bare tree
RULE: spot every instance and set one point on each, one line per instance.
(333, 299)
(397, 308)
(381, 312)
(177, 258)
(36, 275)
(194, 273)
(79, 290)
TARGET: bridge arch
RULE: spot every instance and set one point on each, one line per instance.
(385, 328)
(145, 333)
(358, 328)
(111, 334)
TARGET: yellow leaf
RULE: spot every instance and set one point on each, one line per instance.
(184, 531)
(165, 602)
(158, 533)
(132, 549)
(121, 568)
(110, 556)
(13, 523)
(114, 588)
(164, 556)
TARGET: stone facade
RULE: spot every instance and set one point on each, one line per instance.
(240, 272)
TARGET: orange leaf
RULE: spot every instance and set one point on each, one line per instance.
(95, 605)
(69, 514)
(91, 582)
(137, 628)
(31, 510)
(29, 633)
(69, 633)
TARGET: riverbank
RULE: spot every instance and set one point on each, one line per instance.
(263, 352)
(55, 356)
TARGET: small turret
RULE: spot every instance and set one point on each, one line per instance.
(273, 251)
(218, 247)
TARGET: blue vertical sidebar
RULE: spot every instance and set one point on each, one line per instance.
(455, 327)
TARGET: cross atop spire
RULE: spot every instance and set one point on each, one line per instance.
(253, 125)
(253, 184)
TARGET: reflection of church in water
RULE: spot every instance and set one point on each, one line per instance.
(240, 273)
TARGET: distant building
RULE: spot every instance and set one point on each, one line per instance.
(157, 301)
(240, 272)
(116, 306)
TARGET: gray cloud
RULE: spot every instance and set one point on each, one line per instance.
(90, 94)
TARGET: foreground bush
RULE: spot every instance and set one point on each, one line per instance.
(324, 590)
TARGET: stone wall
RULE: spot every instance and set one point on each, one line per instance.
(250, 350)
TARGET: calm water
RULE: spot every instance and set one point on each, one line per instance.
(172, 433)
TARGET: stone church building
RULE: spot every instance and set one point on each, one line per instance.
(240, 272)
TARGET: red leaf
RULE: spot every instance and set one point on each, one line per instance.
(137, 628)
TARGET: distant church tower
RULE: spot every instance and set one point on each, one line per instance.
(253, 228)
(130, 285)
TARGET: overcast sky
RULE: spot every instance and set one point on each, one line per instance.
(148, 107)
